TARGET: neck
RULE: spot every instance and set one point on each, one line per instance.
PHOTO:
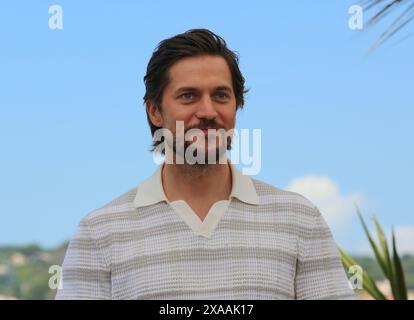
(197, 182)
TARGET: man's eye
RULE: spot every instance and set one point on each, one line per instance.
(222, 95)
(187, 96)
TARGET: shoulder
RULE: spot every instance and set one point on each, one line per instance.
(117, 209)
(284, 200)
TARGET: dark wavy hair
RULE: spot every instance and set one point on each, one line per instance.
(195, 42)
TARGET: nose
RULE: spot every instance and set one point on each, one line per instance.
(206, 109)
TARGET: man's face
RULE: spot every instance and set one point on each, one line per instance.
(200, 93)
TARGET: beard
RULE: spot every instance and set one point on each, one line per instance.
(196, 148)
(209, 150)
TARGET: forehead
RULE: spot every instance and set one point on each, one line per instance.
(200, 71)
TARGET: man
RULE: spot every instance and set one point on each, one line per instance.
(201, 230)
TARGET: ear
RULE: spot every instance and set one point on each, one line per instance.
(154, 114)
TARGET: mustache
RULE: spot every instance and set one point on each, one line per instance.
(205, 125)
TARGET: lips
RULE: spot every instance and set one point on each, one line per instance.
(206, 129)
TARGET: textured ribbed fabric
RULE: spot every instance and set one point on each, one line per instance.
(280, 248)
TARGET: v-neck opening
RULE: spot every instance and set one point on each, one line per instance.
(208, 225)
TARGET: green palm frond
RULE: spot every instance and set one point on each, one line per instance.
(390, 266)
(399, 272)
(367, 282)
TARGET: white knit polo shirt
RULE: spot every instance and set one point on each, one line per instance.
(261, 243)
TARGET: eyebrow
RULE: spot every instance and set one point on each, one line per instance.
(192, 89)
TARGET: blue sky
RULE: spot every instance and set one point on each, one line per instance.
(73, 131)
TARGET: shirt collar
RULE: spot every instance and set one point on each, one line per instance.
(151, 190)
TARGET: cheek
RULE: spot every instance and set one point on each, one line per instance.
(173, 112)
(172, 116)
(229, 118)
